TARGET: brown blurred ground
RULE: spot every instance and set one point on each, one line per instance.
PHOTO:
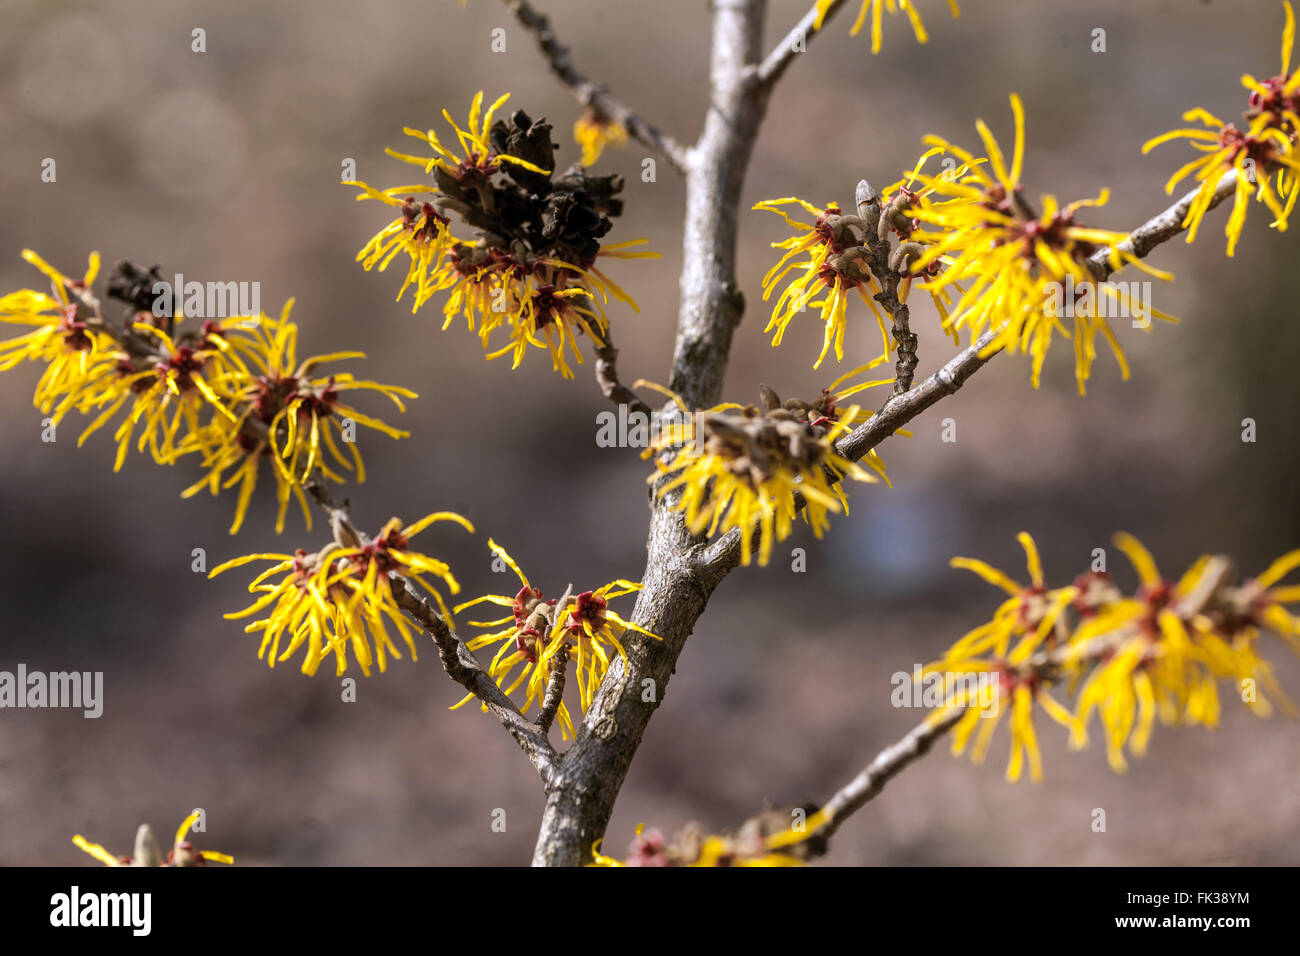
(224, 165)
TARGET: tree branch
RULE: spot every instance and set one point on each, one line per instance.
(554, 689)
(589, 93)
(778, 61)
(675, 585)
(1161, 228)
(682, 569)
(457, 660)
(607, 378)
(887, 764)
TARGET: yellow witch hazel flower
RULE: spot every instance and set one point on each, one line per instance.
(1032, 616)
(834, 268)
(584, 628)
(165, 377)
(231, 391)
(182, 853)
(1129, 660)
(594, 132)
(290, 415)
(1263, 156)
(548, 316)
(1021, 271)
(531, 275)
(339, 597)
(739, 467)
(876, 8)
(81, 361)
(421, 231)
(1170, 665)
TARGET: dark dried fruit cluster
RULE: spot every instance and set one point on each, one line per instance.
(525, 214)
(779, 436)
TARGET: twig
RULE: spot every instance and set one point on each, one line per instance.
(887, 764)
(901, 409)
(554, 689)
(592, 94)
(775, 63)
(1161, 228)
(676, 587)
(457, 660)
(682, 571)
(918, 741)
(607, 377)
(879, 255)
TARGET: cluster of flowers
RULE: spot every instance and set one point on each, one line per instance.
(146, 853)
(532, 272)
(740, 467)
(1263, 155)
(231, 392)
(993, 261)
(337, 598)
(345, 597)
(1159, 654)
(541, 635)
(971, 237)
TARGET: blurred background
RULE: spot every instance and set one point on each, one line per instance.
(224, 165)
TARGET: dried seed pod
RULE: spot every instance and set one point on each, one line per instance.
(769, 397)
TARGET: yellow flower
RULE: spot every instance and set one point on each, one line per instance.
(547, 316)
(1033, 613)
(420, 231)
(1157, 655)
(875, 8)
(532, 273)
(1263, 155)
(743, 466)
(586, 629)
(288, 415)
(834, 266)
(593, 132)
(75, 352)
(182, 852)
(1017, 265)
(339, 597)
(1031, 609)
(481, 159)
